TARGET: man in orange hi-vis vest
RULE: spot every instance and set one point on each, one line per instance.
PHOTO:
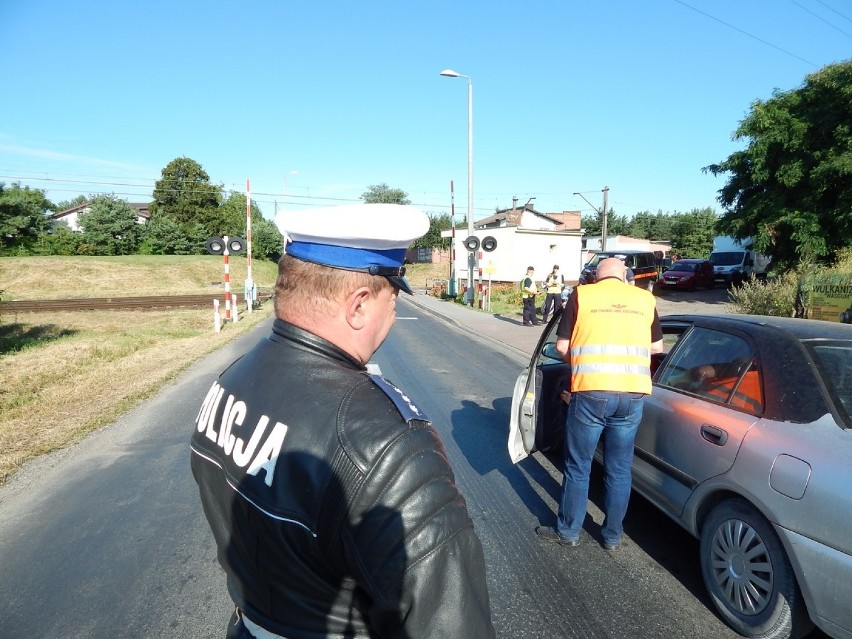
(607, 333)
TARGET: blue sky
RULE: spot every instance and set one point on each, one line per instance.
(315, 101)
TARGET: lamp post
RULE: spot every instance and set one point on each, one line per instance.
(601, 212)
(449, 73)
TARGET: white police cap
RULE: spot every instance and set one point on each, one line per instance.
(370, 238)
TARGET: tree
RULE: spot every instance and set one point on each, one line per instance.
(433, 239)
(60, 240)
(23, 216)
(656, 227)
(67, 204)
(616, 224)
(163, 236)
(791, 187)
(110, 227)
(383, 194)
(230, 217)
(185, 194)
(692, 233)
(266, 240)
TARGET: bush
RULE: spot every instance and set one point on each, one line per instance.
(775, 296)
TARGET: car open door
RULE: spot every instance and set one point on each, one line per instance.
(522, 417)
(537, 414)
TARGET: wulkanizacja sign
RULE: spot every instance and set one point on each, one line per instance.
(826, 297)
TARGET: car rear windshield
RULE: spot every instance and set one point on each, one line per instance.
(602, 256)
(684, 267)
(834, 360)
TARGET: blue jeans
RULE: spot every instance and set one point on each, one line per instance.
(591, 414)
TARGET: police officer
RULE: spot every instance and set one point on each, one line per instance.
(607, 332)
(331, 501)
(553, 285)
(528, 292)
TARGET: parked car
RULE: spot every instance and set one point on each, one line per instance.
(689, 274)
(746, 442)
(642, 263)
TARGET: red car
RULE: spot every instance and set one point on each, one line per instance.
(689, 274)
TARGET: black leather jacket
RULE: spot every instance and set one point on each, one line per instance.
(332, 502)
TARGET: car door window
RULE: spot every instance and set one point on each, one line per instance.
(717, 366)
(671, 334)
(834, 362)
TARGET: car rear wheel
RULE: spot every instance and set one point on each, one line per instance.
(748, 575)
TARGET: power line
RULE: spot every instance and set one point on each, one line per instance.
(845, 17)
(746, 33)
(819, 17)
(96, 186)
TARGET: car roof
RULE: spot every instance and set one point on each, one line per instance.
(801, 329)
(691, 260)
(624, 252)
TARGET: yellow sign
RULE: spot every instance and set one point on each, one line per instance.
(827, 297)
(489, 268)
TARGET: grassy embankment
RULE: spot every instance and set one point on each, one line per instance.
(66, 374)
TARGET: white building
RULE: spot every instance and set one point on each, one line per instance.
(524, 237)
(71, 216)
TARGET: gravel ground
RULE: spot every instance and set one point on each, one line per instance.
(699, 301)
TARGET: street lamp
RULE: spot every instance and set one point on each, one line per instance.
(601, 212)
(449, 73)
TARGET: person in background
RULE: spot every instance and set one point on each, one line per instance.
(607, 333)
(553, 285)
(328, 492)
(528, 292)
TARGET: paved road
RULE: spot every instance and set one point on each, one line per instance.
(107, 538)
(508, 330)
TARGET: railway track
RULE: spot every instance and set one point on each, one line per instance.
(121, 303)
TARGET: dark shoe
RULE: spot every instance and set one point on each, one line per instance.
(528, 324)
(549, 534)
(608, 546)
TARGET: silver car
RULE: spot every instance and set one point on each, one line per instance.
(746, 442)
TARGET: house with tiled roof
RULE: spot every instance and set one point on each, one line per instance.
(527, 217)
(522, 237)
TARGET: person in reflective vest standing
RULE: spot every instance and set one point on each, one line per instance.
(607, 333)
(528, 292)
(553, 285)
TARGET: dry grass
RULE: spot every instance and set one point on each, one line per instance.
(66, 374)
(28, 278)
(90, 367)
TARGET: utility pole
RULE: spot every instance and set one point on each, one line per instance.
(601, 212)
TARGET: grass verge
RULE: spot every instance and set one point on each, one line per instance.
(66, 374)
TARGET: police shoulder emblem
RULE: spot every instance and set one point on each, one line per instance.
(402, 402)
